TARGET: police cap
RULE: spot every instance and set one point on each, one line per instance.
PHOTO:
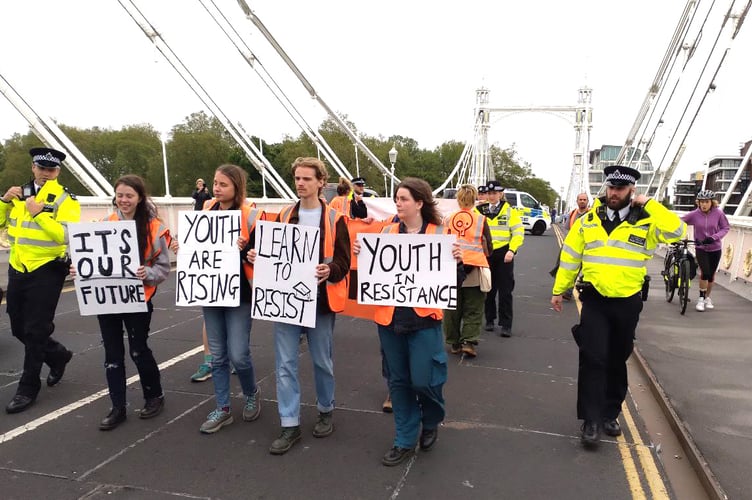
(619, 175)
(46, 157)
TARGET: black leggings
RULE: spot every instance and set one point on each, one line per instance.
(708, 263)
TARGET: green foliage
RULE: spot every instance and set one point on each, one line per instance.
(198, 145)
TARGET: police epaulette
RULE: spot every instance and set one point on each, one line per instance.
(72, 196)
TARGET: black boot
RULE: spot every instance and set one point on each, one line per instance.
(113, 419)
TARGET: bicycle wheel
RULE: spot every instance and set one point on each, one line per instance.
(684, 284)
(669, 276)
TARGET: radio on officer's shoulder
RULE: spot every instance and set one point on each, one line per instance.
(27, 191)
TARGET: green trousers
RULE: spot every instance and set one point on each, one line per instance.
(463, 324)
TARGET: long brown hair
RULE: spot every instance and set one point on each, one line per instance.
(239, 179)
(144, 213)
(420, 190)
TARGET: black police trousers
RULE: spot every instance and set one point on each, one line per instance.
(32, 299)
(502, 283)
(605, 337)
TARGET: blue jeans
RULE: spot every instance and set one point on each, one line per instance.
(228, 331)
(416, 368)
(320, 346)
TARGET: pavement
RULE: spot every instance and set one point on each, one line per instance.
(510, 430)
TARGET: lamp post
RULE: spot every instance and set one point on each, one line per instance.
(392, 160)
(162, 138)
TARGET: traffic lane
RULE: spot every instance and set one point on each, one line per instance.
(702, 361)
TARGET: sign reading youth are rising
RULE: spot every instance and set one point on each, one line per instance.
(415, 270)
(208, 271)
(284, 273)
(105, 256)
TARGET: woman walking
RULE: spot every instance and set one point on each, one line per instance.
(710, 226)
(133, 204)
(411, 339)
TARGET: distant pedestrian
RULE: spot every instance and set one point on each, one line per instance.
(611, 245)
(710, 226)
(200, 195)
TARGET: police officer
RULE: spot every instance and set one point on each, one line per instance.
(36, 215)
(358, 208)
(508, 234)
(612, 242)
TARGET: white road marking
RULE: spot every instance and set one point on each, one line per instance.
(34, 424)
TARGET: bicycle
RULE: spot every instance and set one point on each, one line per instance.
(677, 272)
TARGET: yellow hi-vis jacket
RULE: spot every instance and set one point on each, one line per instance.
(506, 227)
(616, 264)
(35, 241)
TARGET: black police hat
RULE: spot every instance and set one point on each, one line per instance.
(359, 180)
(494, 185)
(619, 175)
(482, 189)
(46, 157)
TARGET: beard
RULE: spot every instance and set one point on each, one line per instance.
(617, 203)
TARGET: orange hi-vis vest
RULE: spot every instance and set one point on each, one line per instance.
(248, 218)
(383, 315)
(156, 230)
(336, 293)
(341, 204)
(468, 226)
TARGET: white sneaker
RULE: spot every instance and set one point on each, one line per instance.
(700, 304)
(708, 303)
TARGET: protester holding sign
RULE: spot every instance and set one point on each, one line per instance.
(462, 325)
(411, 338)
(332, 266)
(133, 204)
(228, 329)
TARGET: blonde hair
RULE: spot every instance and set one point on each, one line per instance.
(467, 194)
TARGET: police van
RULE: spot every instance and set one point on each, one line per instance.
(535, 218)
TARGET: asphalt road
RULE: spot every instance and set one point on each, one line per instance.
(510, 430)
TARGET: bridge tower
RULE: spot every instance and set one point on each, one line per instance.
(478, 168)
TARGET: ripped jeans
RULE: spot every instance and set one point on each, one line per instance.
(137, 328)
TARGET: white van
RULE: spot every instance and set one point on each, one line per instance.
(535, 218)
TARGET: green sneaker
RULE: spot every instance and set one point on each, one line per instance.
(288, 437)
(252, 408)
(324, 425)
(203, 373)
(215, 421)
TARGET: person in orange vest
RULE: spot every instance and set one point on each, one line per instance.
(133, 203)
(462, 325)
(411, 340)
(228, 329)
(340, 203)
(310, 177)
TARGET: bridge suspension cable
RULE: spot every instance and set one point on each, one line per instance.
(241, 137)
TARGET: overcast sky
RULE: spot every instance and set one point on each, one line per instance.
(393, 67)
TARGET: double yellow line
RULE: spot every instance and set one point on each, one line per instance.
(652, 477)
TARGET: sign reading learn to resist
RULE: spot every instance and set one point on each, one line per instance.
(105, 256)
(284, 273)
(208, 271)
(415, 270)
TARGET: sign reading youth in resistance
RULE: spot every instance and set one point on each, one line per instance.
(284, 273)
(105, 256)
(208, 272)
(415, 270)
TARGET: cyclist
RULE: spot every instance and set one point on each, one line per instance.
(710, 226)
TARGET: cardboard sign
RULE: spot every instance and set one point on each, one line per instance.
(284, 274)
(105, 256)
(415, 270)
(208, 263)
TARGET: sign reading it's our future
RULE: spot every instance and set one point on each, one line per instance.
(105, 257)
(284, 273)
(411, 270)
(208, 263)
